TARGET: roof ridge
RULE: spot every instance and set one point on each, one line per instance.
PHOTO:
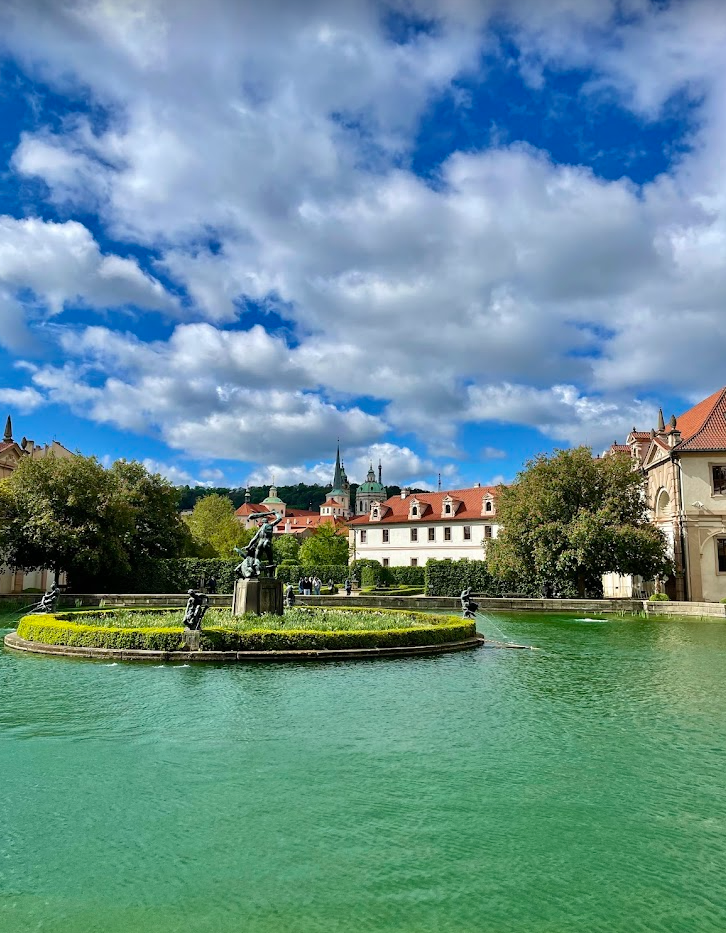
(706, 419)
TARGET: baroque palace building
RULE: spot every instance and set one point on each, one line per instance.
(11, 454)
(407, 530)
(684, 467)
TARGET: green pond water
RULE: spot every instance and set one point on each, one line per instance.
(575, 788)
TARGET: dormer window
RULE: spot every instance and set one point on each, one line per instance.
(375, 513)
(488, 506)
(414, 511)
(447, 508)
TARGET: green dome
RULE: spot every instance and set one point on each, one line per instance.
(272, 500)
(371, 487)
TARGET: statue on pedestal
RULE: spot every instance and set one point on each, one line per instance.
(197, 605)
(261, 545)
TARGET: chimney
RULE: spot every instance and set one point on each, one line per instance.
(403, 493)
(477, 485)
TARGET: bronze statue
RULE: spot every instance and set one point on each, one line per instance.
(261, 543)
(197, 605)
(48, 602)
(468, 606)
(249, 568)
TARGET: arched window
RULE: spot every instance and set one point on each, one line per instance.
(488, 506)
(414, 510)
(447, 509)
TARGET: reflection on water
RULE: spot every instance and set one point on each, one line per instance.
(576, 788)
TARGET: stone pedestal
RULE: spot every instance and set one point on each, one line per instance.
(257, 596)
(191, 639)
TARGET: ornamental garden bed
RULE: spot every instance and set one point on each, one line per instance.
(300, 631)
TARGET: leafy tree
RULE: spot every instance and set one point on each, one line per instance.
(570, 518)
(285, 548)
(326, 545)
(215, 529)
(72, 515)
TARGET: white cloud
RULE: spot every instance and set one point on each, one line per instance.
(177, 475)
(509, 288)
(61, 264)
(24, 400)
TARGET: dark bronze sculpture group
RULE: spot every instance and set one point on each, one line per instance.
(468, 606)
(257, 556)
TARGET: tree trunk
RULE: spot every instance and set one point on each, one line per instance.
(581, 585)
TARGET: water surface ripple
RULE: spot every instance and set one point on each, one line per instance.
(576, 788)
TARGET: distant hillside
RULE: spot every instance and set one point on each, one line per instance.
(302, 496)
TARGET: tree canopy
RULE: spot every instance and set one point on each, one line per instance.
(96, 524)
(214, 528)
(568, 519)
(326, 545)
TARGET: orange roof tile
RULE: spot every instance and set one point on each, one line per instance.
(395, 509)
(249, 508)
(703, 427)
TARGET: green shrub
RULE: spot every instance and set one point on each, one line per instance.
(291, 573)
(659, 598)
(51, 630)
(450, 577)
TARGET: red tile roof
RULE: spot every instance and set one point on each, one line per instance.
(249, 508)
(396, 509)
(619, 449)
(703, 427)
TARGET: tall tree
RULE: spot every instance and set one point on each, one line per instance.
(97, 525)
(568, 519)
(285, 547)
(327, 545)
(214, 528)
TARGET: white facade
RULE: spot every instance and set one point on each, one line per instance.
(465, 539)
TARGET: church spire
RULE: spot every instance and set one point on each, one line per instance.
(8, 430)
(338, 475)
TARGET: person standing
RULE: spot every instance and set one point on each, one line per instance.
(317, 583)
(348, 587)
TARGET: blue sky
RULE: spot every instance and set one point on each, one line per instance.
(452, 234)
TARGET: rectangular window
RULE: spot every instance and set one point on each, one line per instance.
(363, 536)
(487, 531)
(447, 534)
(721, 554)
(385, 536)
(719, 480)
(467, 532)
(414, 534)
(414, 561)
(432, 534)
(385, 561)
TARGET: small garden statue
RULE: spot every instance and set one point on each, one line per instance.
(289, 596)
(49, 600)
(468, 606)
(197, 605)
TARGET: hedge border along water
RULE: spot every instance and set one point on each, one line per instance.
(54, 630)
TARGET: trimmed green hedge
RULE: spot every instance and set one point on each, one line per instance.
(51, 630)
(659, 598)
(374, 574)
(292, 573)
(450, 577)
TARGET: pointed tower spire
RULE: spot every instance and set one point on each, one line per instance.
(8, 430)
(661, 422)
(338, 475)
(380, 474)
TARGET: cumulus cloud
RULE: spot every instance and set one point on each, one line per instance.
(180, 476)
(505, 288)
(60, 264)
(24, 400)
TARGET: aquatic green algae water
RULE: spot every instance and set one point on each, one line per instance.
(577, 788)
